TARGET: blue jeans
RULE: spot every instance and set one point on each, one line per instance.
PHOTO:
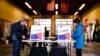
(16, 47)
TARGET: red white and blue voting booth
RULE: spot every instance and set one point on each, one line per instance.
(64, 33)
(37, 32)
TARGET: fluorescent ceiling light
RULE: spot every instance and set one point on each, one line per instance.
(56, 6)
(34, 12)
(27, 4)
(82, 6)
(76, 13)
(56, 12)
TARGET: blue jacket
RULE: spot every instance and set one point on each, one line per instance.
(78, 36)
(17, 29)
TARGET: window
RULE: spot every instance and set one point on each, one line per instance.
(64, 22)
(44, 22)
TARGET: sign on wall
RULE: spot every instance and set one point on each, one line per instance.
(64, 33)
(37, 32)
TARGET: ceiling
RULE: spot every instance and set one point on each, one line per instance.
(41, 6)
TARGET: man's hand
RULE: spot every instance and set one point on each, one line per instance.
(23, 37)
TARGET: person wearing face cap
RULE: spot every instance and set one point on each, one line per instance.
(17, 36)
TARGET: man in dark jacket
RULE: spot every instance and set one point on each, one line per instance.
(78, 36)
(17, 35)
(25, 33)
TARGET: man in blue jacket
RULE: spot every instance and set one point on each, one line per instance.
(17, 35)
(78, 36)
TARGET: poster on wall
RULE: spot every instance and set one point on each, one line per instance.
(37, 32)
(64, 33)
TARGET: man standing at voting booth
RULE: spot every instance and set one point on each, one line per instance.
(78, 36)
(17, 36)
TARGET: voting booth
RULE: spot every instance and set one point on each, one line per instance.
(37, 32)
(64, 33)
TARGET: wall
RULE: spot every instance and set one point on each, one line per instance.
(10, 12)
(93, 13)
(7, 28)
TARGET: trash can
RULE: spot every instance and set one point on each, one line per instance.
(97, 36)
